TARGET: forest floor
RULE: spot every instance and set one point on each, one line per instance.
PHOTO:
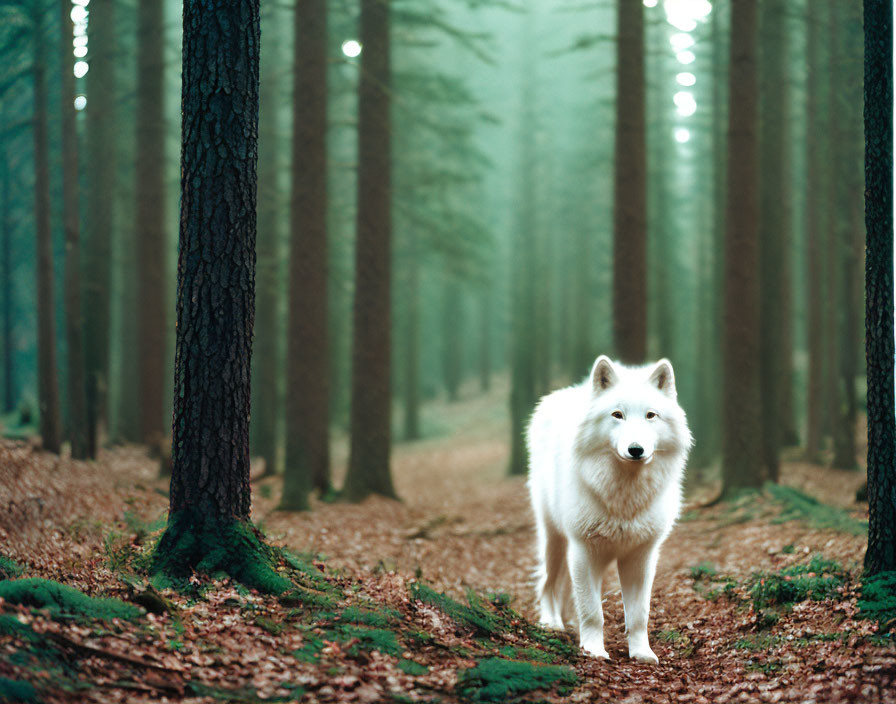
(743, 607)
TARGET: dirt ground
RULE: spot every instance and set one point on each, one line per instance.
(463, 524)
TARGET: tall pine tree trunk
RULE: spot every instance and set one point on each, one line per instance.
(6, 288)
(74, 323)
(102, 146)
(630, 188)
(412, 345)
(307, 402)
(879, 346)
(485, 337)
(152, 245)
(741, 439)
(451, 329)
(369, 460)
(47, 372)
(267, 363)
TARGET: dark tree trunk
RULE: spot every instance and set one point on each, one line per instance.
(815, 221)
(879, 347)
(216, 262)
(630, 189)
(152, 245)
(9, 392)
(741, 440)
(581, 354)
(267, 363)
(485, 338)
(452, 326)
(412, 346)
(308, 376)
(369, 471)
(542, 283)
(47, 372)
(103, 162)
(74, 323)
(774, 217)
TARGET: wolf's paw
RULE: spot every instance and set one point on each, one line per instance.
(595, 649)
(552, 623)
(644, 654)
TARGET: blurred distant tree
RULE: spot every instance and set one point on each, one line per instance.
(816, 218)
(152, 240)
(485, 337)
(741, 439)
(307, 400)
(452, 330)
(267, 359)
(6, 287)
(411, 381)
(210, 490)
(630, 189)
(369, 459)
(102, 159)
(74, 322)
(879, 344)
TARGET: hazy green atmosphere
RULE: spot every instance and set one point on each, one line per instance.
(416, 219)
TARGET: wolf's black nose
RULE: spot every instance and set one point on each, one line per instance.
(635, 450)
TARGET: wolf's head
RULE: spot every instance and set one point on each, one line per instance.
(633, 413)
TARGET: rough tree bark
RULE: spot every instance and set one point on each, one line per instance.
(879, 345)
(369, 471)
(630, 188)
(308, 374)
(208, 524)
(741, 439)
(74, 322)
(152, 243)
(47, 372)
(102, 154)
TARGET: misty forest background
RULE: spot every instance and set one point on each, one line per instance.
(567, 179)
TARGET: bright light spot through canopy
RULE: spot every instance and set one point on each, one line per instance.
(351, 48)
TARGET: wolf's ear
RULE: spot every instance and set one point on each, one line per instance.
(603, 374)
(662, 377)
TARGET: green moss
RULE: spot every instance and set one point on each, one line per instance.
(412, 668)
(533, 654)
(379, 619)
(16, 691)
(213, 547)
(473, 616)
(816, 580)
(703, 570)
(763, 641)
(11, 626)
(380, 639)
(878, 600)
(9, 569)
(311, 647)
(495, 679)
(62, 599)
(798, 505)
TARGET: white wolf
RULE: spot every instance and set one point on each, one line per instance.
(606, 463)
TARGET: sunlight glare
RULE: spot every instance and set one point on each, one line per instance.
(83, 3)
(682, 135)
(650, 3)
(351, 48)
(80, 102)
(684, 14)
(80, 40)
(681, 41)
(79, 14)
(685, 57)
(80, 52)
(686, 79)
(685, 103)
(81, 69)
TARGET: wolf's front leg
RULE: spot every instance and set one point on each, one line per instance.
(586, 570)
(636, 572)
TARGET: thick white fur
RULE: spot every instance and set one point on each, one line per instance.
(594, 503)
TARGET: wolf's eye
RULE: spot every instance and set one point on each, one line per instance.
(617, 414)
(650, 415)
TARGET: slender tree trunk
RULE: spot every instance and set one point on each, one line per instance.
(485, 338)
(452, 326)
(47, 372)
(814, 244)
(630, 188)
(582, 354)
(774, 214)
(307, 403)
(152, 244)
(9, 392)
(102, 145)
(267, 363)
(369, 471)
(741, 448)
(879, 345)
(74, 323)
(412, 346)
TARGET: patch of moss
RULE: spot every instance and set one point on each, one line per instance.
(816, 580)
(62, 599)
(798, 505)
(496, 679)
(16, 691)
(763, 641)
(193, 542)
(381, 639)
(11, 626)
(307, 569)
(878, 600)
(703, 570)
(9, 569)
(379, 619)
(534, 654)
(474, 616)
(412, 668)
(310, 650)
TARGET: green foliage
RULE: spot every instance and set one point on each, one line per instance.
(474, 616)
(11, 626)
(878, 600)
(10, 568)
(378, 619)
(412, 668)
(512, 653)
(216, 547)
(16, 691)
(703, 570)
(496, 679)
(61, 599)
(798, 505)
(380, 639)
(819, 579)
